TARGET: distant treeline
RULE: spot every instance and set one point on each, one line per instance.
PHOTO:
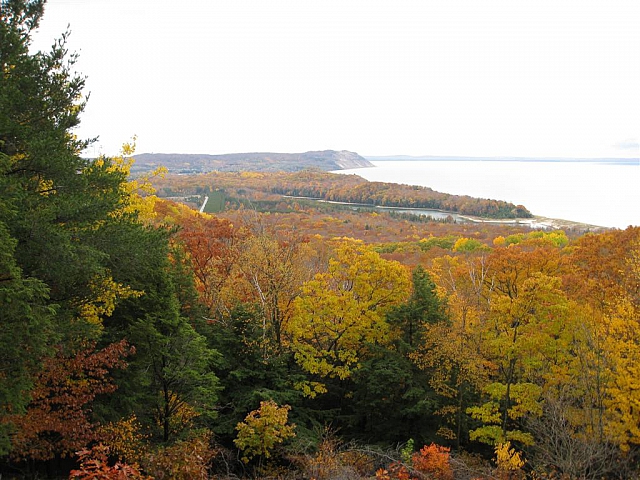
(351, 188)
(346, 188)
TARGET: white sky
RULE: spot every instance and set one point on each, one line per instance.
(378, 77)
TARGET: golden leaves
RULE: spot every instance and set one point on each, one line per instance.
(105, 295)
(263, 429)
(342, 310)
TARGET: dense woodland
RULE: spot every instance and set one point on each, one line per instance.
(141, 339)
(342, 188)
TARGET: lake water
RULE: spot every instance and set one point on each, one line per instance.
(598, 193)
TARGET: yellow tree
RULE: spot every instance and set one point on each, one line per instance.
(605, 280)
(591, 400)
(137, 194)
(527, 316)
(342, 310)
(520, 340)
(621, 332)
(263, 429)
(270, 271)
(450, 348)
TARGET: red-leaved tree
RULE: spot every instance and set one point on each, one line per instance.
(57, 420)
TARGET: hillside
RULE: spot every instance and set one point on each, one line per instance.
(258, 162)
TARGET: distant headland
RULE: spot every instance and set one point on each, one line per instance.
(258, 162)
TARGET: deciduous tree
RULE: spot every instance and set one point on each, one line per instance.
(341, 311)
(449, 350)
(57, 420)
(263, 429)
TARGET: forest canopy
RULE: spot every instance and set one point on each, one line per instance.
(343, 188)
(142, 339)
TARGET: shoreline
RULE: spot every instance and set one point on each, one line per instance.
(541, 222)
(535, 222)
(597, 212)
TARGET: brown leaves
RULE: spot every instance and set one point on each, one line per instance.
(94, 466)
(57, 420)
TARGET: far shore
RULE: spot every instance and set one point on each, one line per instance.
(538, 221)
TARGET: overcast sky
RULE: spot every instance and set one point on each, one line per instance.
(378, 77)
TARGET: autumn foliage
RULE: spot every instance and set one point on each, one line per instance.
(58, 419)
(263, 429)
(124, 439)
(343, 188)
(188, 459)
(94, 465)
(432, 461)
(133, 328)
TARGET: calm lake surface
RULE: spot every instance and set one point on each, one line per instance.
(598, 193)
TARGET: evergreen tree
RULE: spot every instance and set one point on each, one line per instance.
(78, 262)
(39, 104)
(55, 202)
(247, 377)
(25, 321)
(421, 309)
(392, 399)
